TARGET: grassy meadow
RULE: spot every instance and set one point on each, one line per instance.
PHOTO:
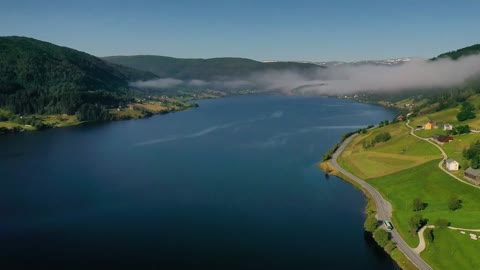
(59, 120)
(11, 125)
(452, 250)
(405, 168)
(400, 152)
(52, 120)
(448, 115)
(433, 187)
(9, 120)
(454, 149)
(126, 114)
(430, 132)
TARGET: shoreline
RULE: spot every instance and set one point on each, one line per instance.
(16, 127)
(402, 254)
(139, 113)
(20, 128)
(370, 209)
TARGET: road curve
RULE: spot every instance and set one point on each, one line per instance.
(440, 165)
(384, 209)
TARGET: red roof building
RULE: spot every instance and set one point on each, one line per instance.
(442, 138)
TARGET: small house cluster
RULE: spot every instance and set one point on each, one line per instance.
(410, 106)
(433, 125)
(472, 175)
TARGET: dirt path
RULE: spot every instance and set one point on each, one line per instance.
(463, 229)
(421, 244)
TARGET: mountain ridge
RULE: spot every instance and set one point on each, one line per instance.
(456, 54)
(205, 68)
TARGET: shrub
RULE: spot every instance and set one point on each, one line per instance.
(390, 246)
(467, 112)
(371, 224)
(428, 234)
(381, 237)
(415, 223)
(454, 203)
(418, 205)
(442, 223)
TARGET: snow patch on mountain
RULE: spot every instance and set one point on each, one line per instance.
(384, 62)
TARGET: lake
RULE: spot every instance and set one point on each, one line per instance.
(232, 184)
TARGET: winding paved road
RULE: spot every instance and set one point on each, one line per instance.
(384, 209)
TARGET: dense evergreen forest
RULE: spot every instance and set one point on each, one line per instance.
(471, 50)
(39, 77)
(207, 69)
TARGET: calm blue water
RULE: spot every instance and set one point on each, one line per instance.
(230, 185)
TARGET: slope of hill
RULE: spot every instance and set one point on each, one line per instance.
(205, 69)
(471, 50)
(40, 77)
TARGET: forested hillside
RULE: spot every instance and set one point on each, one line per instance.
(39, 77)
(205, 69)
(471, 50)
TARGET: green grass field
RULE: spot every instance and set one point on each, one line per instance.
(51, 120)
(59, 120)
(434, 187)
(400, 152)
(402, 103)
(475, 100)
(454, 149)
(402, 260)
(126, 114)
(10, 125)
(448, 115)
(405, 168)
(429, 133)
(452, 250)
(154, 106)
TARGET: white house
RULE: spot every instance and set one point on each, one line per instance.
(447, 127)
(451, 164)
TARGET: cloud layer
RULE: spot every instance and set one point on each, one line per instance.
(344, 79)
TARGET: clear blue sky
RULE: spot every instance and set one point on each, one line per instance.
(345, 30)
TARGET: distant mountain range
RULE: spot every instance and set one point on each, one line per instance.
(40, 77)
(386, 62)
(206, 69)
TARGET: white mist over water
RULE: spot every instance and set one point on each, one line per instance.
(344, 79)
